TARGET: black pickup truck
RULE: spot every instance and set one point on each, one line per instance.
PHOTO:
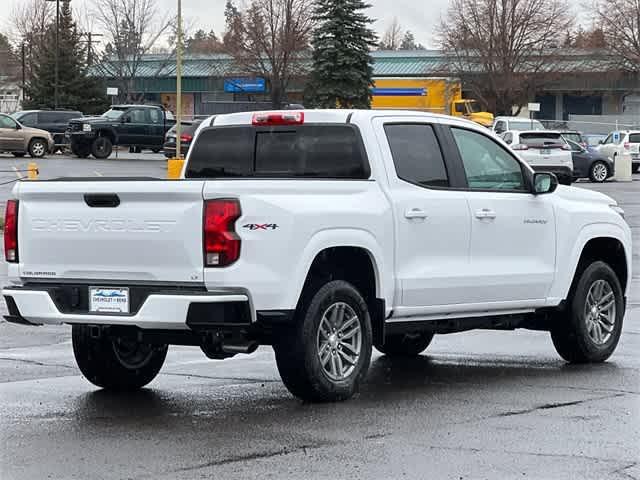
(142, 126)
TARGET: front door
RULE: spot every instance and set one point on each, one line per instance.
(11, 137)
(431, 221)
(513, 232)
(134, 129)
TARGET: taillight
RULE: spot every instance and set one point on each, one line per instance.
(11, 231)
(278, 118)
(627, 146)
(221, 242)
(520, 146)
(186, 138)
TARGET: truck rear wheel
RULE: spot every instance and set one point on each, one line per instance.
(406, 345)
(589, 330)
(101, 148)
(326, 355)
(116, 363)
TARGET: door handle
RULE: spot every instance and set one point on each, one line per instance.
(485, 213)
(415, 213)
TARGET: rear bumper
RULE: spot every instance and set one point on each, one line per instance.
(166, 311)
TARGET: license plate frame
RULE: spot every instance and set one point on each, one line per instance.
(114, 300)
(545, 151)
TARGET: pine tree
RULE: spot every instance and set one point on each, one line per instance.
(76, 89)
(342, 71)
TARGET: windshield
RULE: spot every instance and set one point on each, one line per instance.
(113, 114)
(474, 107)
(525, 125)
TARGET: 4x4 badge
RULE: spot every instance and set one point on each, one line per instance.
(260, 226)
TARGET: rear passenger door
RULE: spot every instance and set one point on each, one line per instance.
(513, 233)
(432, 224)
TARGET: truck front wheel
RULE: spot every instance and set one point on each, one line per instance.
(326, 355)
(590, 327)
(101, 148)
(406, 345)
(115, 363)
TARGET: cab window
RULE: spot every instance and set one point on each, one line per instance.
(7, 122)
(487, 165)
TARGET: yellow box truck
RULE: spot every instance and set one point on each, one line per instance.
(437, 95)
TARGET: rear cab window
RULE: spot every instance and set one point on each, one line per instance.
(301, 151)
(634, 138)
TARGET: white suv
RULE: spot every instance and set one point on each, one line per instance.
(622, 141)
(543, 150)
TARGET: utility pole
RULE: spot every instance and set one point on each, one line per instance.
(179, 84)
(57, 80)
(24, 67)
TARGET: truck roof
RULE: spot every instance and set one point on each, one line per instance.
(333, 116)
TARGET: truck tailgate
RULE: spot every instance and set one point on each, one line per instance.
(120, 230)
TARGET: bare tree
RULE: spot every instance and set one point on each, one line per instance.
(503, 48)
(392, 36)
(30, 20)
(619, 21)
(132, 29)
(269, 40)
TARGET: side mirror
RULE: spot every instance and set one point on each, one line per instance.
(544, 182)
(18, 127)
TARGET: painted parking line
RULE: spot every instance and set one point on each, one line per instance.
(98, 174)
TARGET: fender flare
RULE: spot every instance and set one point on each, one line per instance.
(567, 270)
(343, 237)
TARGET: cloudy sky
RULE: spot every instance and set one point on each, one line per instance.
(415, 15)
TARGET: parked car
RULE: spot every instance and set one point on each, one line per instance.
(19, 139)
(505, 124)
(323, 233)
(575, 136)
(624, 140)
(589, 163)
(186, 136)
(53, 121)
(138, 126)
(594, 139)
(544, 150)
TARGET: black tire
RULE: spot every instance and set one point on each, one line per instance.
(101, 148)
(37, 148)
(570, 331)
(298, 348)
(407, 345)
(18, 154)
(112, 364)
(595, 169)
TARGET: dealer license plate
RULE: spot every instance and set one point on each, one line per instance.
(109, 299)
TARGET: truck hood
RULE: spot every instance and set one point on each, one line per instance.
(483, 118)
(88, 120)
(584, 195)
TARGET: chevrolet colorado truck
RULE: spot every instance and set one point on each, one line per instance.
(322, 234)
(141, 126)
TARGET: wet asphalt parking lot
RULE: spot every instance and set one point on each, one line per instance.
(476, 405)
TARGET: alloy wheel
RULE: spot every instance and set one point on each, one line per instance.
(339, 341)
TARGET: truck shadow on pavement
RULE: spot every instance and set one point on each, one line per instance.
(425, 379)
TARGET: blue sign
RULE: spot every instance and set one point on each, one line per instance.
(399, 92)
(245, 85)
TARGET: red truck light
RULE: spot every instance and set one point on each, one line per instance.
(186, 138)
(11, 231)
(280, 118)
(221, 242)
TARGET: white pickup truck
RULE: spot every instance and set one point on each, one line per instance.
(323, 234)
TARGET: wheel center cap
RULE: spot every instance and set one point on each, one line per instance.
(594, 311)
(333, 340)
